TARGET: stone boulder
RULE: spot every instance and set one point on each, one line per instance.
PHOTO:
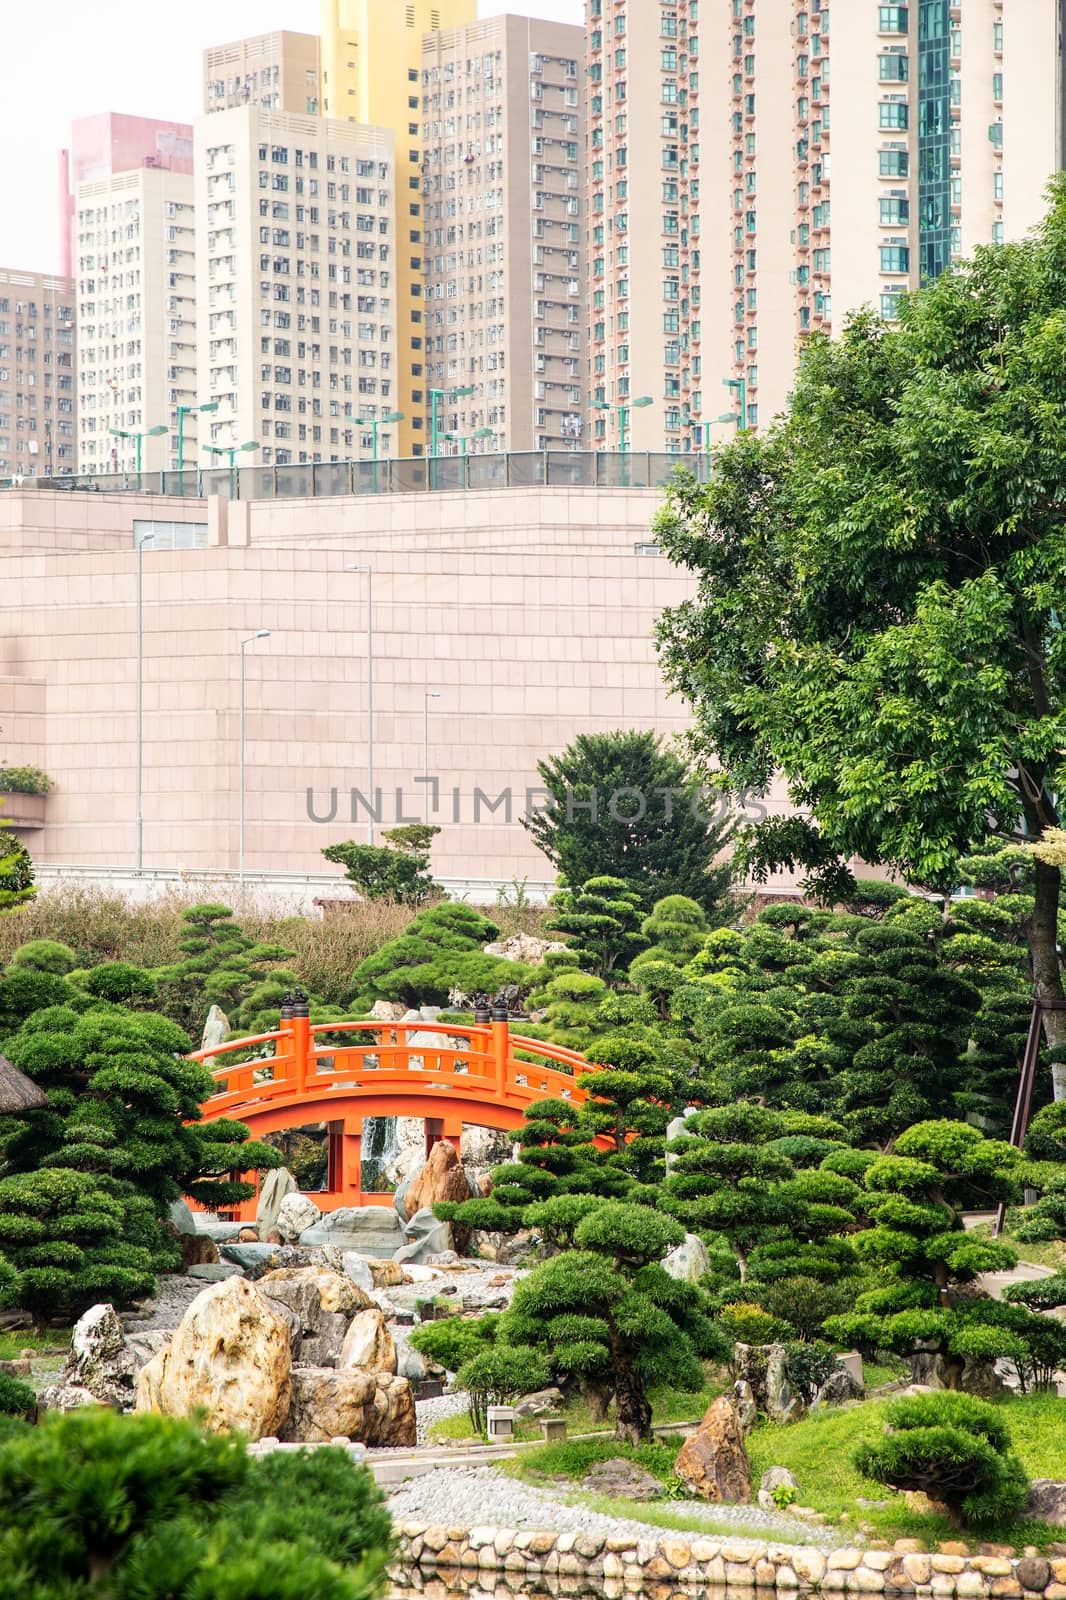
(524, 947)
(258, 1259)
(747, 1410)
(386, 1011)
(230, 1356)
(713, 1462)
(368, 1344)
(690, 1261)
(181, 1217)
(622, 1480)
(541, 1403)
(387, 1274)
(216, 1031)
(100, 1365)
(764, 1367)
(838, 1388)
(426, 1236)
(371, 1407)
(336, 1292)
(372, 1230)
(295, 1214)
(277, 1186)
(1047, 1502)
(197, 1250)
(442, 1178)
(776, 1478)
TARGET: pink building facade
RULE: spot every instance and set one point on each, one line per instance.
(112, 142)
(505, 622)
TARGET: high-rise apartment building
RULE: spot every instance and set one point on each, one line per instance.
(503, 246)
(836, 157)
(372, 73)
(275, 71)
(645, 209)
(296, 284)
(109, 143)
(37, 395)
(136, 297)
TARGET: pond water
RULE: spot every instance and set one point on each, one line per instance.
(413, 1584)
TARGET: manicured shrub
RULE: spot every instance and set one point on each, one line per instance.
(438, 952)
(119, 982)
(955, 1448)
(17, 1399)
(749, 1324)
(803, 1304)
(45, 955)
(500, 1374)
(148, 1507)
(454, 1341)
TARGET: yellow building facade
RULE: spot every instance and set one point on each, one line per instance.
(372, 72)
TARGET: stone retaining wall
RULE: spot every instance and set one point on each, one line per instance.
(675, 1558)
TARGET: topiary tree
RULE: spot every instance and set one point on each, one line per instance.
(676, 930)
(92, 1503)
(17, 1399)
(608, 1309)
(119, 982)
(601, 921)
(24, 990)
(220, 965)
(956, 1449)
(915, 1199)
(396, 871)
(620, 803)
(498, 1375)
(454, 1341)
(571, 1001)
(16, 872)
(439, 952)
(65, 1239)
(45, 955)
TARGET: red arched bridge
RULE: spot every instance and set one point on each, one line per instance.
(341, 1073)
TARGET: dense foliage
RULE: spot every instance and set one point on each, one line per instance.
(396, 871)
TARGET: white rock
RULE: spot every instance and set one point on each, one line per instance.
(296, 1213)
(277, 1185)
(368, 1343)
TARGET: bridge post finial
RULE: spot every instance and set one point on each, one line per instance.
(286, 1006)
(303, 1045)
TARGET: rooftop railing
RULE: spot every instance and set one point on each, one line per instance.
(553, 469)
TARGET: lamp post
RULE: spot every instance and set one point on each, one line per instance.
(481, 433)
(435, 398)
(141, 540)
(430, 694)
(231, 450)
(379, 422)
(624, 408)
(356, 566)
(739, 387)
(145, 433)
(183, 412)
(263, 633)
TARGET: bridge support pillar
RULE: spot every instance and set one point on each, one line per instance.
(448, 1127)
(346, 1159)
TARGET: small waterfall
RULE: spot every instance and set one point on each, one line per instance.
(380, 1149)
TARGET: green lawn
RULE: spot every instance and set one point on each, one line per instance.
(819, 1451)
(1050, 1254)
(13, 1344)
(668, 1405)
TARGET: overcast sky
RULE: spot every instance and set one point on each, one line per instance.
(73, 58)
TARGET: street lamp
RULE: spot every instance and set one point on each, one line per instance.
(481, 433)
(430, 694)
(141, 539)
(624, 408)
(183, 412)
(146, 433)
(356, 566)
(263, 633)
(739, 387)
(231, 450)
(435, 397)
(375, 423)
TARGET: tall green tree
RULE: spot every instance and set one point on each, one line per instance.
(622, 804)
(880, 585)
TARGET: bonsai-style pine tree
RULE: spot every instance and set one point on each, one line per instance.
(675, 931)
(440, 951)
(398, 870)
(601, 920)
(16, 872)
(220, 965)
(607, 1310)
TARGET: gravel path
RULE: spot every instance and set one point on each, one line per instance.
(427, 1412)
(470, 1496)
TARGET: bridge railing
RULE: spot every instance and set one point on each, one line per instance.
(314, 1061)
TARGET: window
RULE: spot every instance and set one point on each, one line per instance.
(895, 212)
(895, 258)
(890, 304)
(893, 69)
(892, 19)
(893, 163)
(892, 114)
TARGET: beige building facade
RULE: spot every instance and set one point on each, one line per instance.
(275, 71)
(38, 401)
(297, 311)
(135, 263)
(505, 623)
(503, 234)
(789, 162)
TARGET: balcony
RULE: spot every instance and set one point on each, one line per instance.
(22, 812)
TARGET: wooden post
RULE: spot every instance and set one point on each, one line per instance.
(351, 1174)
(302, 1046)
(284, 1064)
(482, 1018)
(501, 1047)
